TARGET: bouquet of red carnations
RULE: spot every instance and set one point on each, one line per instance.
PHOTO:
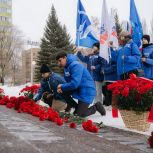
(30, 91)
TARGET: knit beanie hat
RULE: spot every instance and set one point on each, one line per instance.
(96, 45)
(44, 69)
(147, 37)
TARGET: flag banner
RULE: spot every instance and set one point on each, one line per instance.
(104, 32)
(85, 35)
(136, 24)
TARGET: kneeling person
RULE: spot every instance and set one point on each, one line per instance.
(79, 84)
(48, 89)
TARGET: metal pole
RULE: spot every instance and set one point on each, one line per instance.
(32, 43)
(31, 66)
(79, 39)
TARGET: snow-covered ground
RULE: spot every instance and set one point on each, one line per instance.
(107, 120)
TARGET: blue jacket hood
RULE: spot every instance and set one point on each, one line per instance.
(71, 58)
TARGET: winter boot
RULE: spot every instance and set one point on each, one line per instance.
(100, 108)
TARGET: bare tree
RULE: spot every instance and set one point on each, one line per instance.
(16, 60)
(15, 65)
(95, 25)
(9, 43)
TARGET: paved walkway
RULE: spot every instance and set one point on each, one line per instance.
(23, 133)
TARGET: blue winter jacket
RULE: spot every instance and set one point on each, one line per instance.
(93, 60)
(131, 60)
(148, 65)
(78, 80)
(50, 85)
(110, 70)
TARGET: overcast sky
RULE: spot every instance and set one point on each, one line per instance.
(30, 15)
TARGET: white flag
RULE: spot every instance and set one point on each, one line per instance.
(104, 32)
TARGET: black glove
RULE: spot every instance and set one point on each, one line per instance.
(48, 98)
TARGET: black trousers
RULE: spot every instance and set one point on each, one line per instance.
(82, 109)
(107, 94)
(69, 100)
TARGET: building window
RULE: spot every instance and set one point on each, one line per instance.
(6, 1)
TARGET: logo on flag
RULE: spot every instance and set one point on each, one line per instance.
(114, 33)
(85, 35)
(103, 35)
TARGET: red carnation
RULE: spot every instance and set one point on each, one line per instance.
(95, 129)
(66, 119)
(152, 134)
(19, 111)
(89, 126)
(9, 105)
(89, 122)
(133, 76)
(73, 125)
(42, 117)
(125, 92)
(59, 121)
(150, 141)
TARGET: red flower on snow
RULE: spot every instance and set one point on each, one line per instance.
(59, 121)
(30, 91)
(150, 140)
(89, 126)
(73, 125)
(23, 104)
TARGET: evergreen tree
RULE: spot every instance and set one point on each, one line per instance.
(117, 23)
(55, 40)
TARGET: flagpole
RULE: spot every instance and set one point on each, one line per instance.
(78, 39)
(78, 32)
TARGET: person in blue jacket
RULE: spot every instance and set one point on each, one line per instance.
(94, 64)
(127, 57)
(48, 89)
(110, 75)
(147, 57)
(79, 84)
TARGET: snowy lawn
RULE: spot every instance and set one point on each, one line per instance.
(107, 120)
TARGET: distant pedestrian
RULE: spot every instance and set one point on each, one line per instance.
(94, 65)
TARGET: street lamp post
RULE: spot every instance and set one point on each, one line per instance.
(32, 71)
(32, 43)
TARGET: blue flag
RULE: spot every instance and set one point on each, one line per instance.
(136, 24)
(84, 35)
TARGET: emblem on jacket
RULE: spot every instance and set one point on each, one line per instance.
(67, 74)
